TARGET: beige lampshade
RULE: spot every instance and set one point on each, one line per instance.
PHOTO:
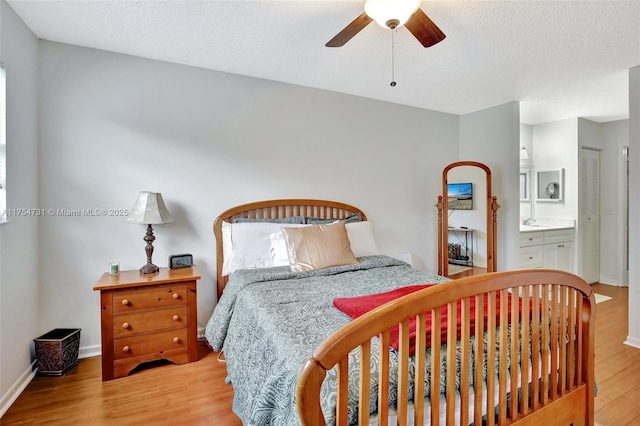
(149, 209)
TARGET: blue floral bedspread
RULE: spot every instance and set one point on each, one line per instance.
(269, 321)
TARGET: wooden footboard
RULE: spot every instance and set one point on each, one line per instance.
(487, 317)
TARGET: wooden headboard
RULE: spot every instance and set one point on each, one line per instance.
(274, 209)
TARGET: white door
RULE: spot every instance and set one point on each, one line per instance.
(589, 215)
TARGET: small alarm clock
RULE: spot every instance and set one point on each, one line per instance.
(180, 261)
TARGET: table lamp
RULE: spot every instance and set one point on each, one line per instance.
(149, 209)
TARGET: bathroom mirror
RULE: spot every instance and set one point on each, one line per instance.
(525, 184)
(526, 193)
(549, 185)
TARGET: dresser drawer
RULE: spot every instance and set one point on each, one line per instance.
(129, 324)
(128, 347)
(149, 298)
(562, 235)
(159, 314)
(531, 239)
(531, 257)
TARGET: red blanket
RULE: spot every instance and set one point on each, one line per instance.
(358, 306)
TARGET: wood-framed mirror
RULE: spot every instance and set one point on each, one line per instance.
(466, 185)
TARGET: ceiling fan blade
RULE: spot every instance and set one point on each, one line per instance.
(350, 30)
(423, 28)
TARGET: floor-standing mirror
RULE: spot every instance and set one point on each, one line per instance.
(466, 189)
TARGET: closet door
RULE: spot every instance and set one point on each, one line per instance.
(589, 215)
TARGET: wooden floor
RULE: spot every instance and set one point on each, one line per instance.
(195, 393)
(617, 365)
(188, 394)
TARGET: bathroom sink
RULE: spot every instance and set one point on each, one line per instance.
(543, 226)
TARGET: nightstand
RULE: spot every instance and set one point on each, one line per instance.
(147, 317)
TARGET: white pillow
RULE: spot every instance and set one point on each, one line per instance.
(279, 254)
(247, 245)
(362, 240)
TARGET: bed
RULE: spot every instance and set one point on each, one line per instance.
(294, 358)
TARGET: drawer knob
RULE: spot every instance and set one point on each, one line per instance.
(176, 340)
(125, 302)
(126, 349)
(176, 296)
(530, 239)
(176, 317)
(530, 257)
(125, 325)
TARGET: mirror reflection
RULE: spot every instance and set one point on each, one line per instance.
(524, 185)
(549, 185)
(467, 234)
(526, 191)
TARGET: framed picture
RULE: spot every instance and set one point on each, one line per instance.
(460, 196)
(550, 185)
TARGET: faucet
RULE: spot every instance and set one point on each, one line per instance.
(528, 221)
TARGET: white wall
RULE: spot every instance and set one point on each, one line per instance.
(491, 136)
(590, 135)
(18, 256)
(112, 125)
(634, 207)
(556, 147)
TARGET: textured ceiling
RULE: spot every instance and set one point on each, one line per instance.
(560, 59)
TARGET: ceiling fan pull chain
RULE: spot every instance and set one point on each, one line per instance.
(393, 79)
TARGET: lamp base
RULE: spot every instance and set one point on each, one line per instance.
(149, 268)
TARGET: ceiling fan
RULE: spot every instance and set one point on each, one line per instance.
(392, 14)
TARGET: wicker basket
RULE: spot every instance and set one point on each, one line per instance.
(57, 351)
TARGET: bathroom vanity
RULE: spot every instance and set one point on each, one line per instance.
(547, 246)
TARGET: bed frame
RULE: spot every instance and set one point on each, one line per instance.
(565, 397)
(563, 394)
(274, 209)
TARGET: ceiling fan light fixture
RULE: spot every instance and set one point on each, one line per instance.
(391, 13)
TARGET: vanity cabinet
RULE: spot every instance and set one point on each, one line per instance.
(558, 250)
(552, 249)
(531, 250)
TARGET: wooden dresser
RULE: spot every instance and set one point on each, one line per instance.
(146, 318)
